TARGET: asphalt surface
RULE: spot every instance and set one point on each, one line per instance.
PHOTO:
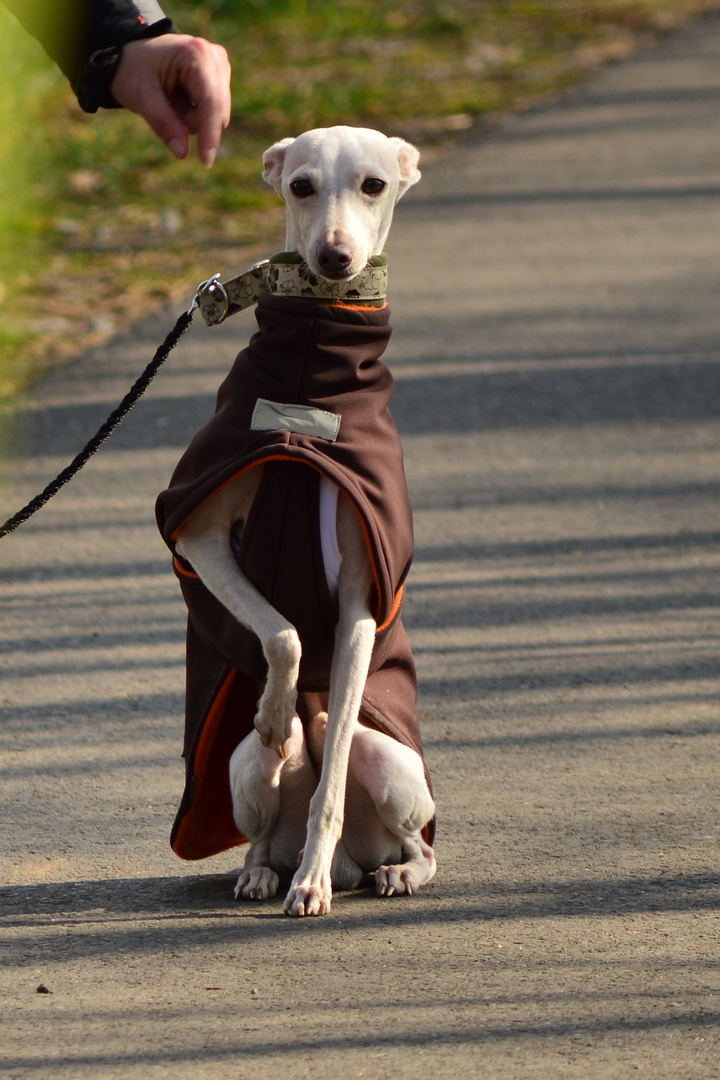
(556, 302)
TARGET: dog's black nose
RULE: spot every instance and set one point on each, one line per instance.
(334, 259)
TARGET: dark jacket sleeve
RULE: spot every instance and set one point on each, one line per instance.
(85, 38)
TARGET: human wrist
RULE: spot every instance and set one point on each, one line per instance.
(92, 86)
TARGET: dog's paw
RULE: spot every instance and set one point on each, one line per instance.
(396, 880)
(308, 899)
(274, 730)
(276, 707)
(259, 883)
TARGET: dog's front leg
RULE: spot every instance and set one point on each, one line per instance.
(271, 801)
(212, 559)
(311, 889)
(205, 542)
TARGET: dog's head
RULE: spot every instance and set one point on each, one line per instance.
(340, 186)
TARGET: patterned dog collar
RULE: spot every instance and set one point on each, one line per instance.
(287, 274)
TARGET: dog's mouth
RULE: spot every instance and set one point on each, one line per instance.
(337, 277)
(324, 275)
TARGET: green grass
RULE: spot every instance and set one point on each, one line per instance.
(97, 214)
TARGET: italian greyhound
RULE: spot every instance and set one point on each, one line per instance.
(366, 811)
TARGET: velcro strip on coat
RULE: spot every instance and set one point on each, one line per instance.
(302, 419)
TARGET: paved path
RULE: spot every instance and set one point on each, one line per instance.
(556, 296)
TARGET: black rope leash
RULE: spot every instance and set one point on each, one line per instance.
(116, 417)
(216, 301)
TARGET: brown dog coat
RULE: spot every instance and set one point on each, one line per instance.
(313, 369)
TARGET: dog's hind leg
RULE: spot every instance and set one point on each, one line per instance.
(271, 799)
(394, 778)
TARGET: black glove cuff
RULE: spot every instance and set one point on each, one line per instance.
(93, 85)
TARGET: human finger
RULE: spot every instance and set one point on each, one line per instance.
(204, 75)
(180, 85)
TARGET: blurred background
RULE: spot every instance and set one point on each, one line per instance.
(98, 223)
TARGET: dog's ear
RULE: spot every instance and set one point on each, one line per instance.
(408, 158)
(273, 161)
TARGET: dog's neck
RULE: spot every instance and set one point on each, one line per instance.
(287, 274)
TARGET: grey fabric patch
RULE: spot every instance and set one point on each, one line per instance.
(302, 419)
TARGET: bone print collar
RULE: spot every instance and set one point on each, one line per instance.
(287, 274)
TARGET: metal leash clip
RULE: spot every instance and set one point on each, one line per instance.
(212, 299)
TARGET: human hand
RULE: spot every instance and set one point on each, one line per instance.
(181, 86)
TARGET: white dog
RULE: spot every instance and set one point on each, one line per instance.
(367, 809)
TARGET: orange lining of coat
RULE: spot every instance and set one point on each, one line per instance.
(218, 707)
(352, 305)
(180, 569)
(355, 304)
(231, 837)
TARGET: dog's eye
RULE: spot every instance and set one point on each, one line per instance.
(302, 189)
(373, 186)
